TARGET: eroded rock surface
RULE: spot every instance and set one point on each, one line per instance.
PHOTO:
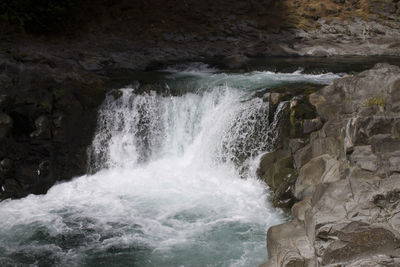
(349, 180)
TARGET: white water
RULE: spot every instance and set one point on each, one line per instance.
(167, 189)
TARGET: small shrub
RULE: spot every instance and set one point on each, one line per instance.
(376, 101)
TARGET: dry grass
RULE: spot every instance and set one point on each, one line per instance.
(303, 14)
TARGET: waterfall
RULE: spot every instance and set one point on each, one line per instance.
(171, 180)
(218, 126)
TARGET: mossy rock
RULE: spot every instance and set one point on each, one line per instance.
(277, 171)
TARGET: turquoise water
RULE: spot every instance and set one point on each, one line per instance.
(165, 188)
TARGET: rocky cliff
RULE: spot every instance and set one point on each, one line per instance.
(136, 34)
(47, 120)
(344, 175)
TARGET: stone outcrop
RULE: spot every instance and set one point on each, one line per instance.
(47, 119)
(145, 34)
(348, 187)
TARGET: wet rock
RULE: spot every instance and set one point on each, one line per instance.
(276, 169)
(6, 124)
(11, 188)
(275, 98)
(44, 168)
(43, 130)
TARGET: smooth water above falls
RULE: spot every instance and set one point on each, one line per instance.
(167, 187)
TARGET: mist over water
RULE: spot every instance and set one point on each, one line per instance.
(166, 186)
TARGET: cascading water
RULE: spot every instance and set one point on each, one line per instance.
(166, 187)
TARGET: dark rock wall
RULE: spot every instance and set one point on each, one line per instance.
(47, 119)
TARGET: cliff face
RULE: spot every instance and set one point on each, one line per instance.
(348, 183)
(132, 34)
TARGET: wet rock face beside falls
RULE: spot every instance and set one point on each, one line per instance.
(47, 119)
(348, 184)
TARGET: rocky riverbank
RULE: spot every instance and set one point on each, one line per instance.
(140, 34)
(341, 168)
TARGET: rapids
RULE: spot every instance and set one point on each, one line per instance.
(171, 181)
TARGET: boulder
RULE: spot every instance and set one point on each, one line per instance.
(299, 209)
(288, 245)
(322, 169)
(302, 156)
(277, 171)
(295, 144)
(363, 158)
(300, 110)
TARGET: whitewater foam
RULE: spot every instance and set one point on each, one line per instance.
(166, 187)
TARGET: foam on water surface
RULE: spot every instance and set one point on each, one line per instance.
(167, 185)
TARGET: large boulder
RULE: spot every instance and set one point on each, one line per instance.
(277, 171)
(322, 169)
(288, 245)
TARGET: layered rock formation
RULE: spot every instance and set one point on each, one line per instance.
(348, 184)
